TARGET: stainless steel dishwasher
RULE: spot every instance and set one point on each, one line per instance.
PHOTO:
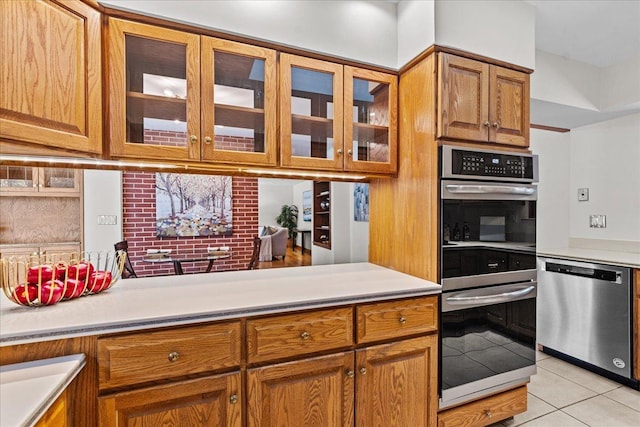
(585, 313)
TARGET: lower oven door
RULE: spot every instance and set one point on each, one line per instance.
(487, 340)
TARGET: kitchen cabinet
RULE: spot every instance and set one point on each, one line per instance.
(56, 415)
(486, 411)
(335, 117)
(482, 102)
(182, 96)
(31, 181)
(322, 214)
(52, 77)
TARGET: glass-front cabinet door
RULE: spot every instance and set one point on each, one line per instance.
(59, 180)
(154, 92)
(238, 102)
(18, 179)
(311, 103)
(370, 120)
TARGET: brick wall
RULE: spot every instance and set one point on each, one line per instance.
(179, 139)
(139, 227)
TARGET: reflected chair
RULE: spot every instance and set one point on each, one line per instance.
(127, 272)
(255, 255)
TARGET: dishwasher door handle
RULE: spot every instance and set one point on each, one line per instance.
(584, 271)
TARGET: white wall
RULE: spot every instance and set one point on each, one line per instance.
(552, 222)
(503, 30)
(272, 194)
(362, 30)
(102, 196)
(359, 233)
(298, 189)
(605, 157)
(416, 28)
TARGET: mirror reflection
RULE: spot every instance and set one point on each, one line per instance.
(183, 224)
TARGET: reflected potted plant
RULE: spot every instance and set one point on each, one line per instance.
(288, 218)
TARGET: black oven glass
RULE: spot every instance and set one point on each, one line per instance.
(481, 342)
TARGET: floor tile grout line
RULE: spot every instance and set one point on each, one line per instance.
(621, 403)
(571, 416)
(583, 386)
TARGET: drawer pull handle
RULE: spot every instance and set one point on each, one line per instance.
(305, 335)
(233, 398)
(488, 413)
(363, 371)
(350, 373)
(402, 320)
(173, 356)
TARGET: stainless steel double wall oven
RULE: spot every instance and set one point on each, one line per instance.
(488, 271)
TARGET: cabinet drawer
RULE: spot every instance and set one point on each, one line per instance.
(301, 333)
(379, 321)
(149, 356)
(486, 411)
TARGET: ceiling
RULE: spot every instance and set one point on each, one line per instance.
(597, 32)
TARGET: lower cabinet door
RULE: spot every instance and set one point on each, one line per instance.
(311, 392)
(397, 384)
(209, 401)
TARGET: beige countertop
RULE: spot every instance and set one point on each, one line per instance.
(623, 259)
(28, 389)
(177, 300)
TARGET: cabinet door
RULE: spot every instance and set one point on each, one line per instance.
(59, 181)
(238, 103)
(51, 74)
(311, 113)
(463, 98)
(18, 180)
(397, 384)
(154, 92)
(509, 107)
(209, 401)
(370, 121)
(311, 392)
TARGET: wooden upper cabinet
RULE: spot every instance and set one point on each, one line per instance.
(51, 90)
(370, 121)
(154, 92)
(239, 95)
(482, 102)
(311, 113)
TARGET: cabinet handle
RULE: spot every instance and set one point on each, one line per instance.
(496, 125)
(488, 413)
(349, 152)
(402, 320)
(193, 139)
(305, 335)
(339, 151)
(173, 356)
(350, 373)
(363, 370)
(487, 124)
(233, 398)
(207, 140)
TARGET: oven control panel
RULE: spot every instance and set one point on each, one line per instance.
(488, 164)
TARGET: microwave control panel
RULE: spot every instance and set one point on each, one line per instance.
(488, 164)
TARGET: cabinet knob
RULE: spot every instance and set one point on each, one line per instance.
(339, 151)
(488, 413)
(496, 125)
(193, 139)
(233, 398)
(173, 356)
(207, 140)
(487, 124)
(402, 320)
(305, 335)
(363, 370)
(350, 373)
(350, 152)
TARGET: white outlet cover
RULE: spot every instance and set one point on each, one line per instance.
(583, 194)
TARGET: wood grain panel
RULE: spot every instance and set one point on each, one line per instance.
(397, 384)
(394, 319)
(403, 212)
(509, 107)
(210, 401)
(312, 392)
(486, 411)
(56, 415)
(83, 391)
(138, 358)
(51, 74)
(296, 334)
(636, 322)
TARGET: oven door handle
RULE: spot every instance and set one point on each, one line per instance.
(490, 299)
(489, 189)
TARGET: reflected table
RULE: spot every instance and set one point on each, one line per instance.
(304, 234)
(178, 258)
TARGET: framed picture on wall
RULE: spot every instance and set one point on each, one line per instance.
(306, 205)
(193, 205)
(361, 202)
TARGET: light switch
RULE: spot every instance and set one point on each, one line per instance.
(583, 194)
(598, 221)
(107, 219)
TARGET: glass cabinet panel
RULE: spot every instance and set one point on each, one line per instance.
(58, 179)
(20, 178)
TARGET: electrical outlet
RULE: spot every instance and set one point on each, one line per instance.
(598, 221)
(583, 194)
(107, 219)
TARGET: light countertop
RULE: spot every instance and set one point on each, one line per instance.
(623, 259)
(28, 389)
(177, 300)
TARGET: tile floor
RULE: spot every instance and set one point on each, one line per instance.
(564, 395)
